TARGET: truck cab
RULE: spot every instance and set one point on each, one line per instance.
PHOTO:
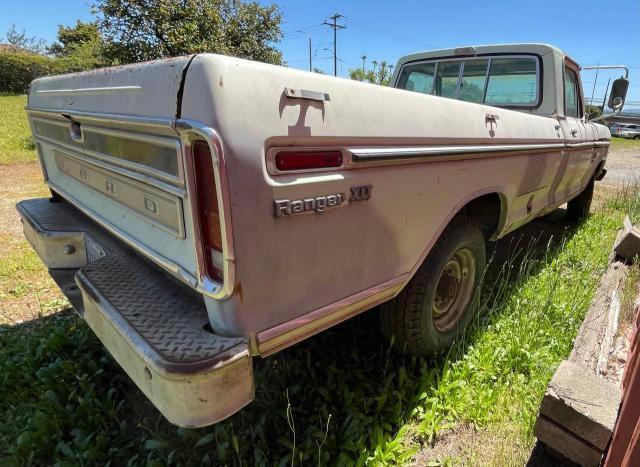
(537, 79)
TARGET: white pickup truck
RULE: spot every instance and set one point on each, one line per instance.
(207, 210)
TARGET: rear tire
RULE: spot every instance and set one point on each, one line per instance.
(436, 306)
(578, 207)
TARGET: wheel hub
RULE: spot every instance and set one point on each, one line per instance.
(454, 289)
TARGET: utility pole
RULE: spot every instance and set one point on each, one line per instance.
(335, 26)
(309, 37)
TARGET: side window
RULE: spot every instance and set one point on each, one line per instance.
(446, 82)
(571, 100)
(418, 78)
(473, 78)
(512, 81)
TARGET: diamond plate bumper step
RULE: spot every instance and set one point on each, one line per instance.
(156, 328)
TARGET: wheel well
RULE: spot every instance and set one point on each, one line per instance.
(487, 210)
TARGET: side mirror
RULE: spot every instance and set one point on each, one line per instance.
(618, 94)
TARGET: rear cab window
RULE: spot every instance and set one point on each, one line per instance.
(572, 107)
(502, 81)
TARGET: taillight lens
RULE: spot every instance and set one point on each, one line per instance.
(208, 210)
(305, 160)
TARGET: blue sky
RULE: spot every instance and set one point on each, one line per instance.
(386, 30)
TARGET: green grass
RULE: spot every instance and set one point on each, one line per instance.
(528, 322)
(624, 143)
(16, 144)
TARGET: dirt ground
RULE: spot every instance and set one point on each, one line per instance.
(623, 165)
(26, 290)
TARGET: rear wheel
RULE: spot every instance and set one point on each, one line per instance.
(433, 310)
(578, 207)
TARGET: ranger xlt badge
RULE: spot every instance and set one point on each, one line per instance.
(288, 207)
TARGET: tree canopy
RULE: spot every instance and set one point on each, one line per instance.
(71, 38)
(137, 30)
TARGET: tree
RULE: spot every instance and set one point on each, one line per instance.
(20, 41)
(378, 75)
(359, 74)
(70, 38)
(593, 111)
(137, 30)
(80, 47)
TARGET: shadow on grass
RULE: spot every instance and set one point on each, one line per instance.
(336, 398)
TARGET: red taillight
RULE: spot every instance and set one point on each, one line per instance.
(300, 160)
(208, 211)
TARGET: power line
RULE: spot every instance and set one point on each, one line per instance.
(307, 29)
(378, 30)
(320, 59)
(301, 33)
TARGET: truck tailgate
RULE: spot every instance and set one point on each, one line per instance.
(107, 144)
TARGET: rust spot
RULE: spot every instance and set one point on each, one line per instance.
(221, 82)
(238, 289)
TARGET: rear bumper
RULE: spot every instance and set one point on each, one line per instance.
(154, 327)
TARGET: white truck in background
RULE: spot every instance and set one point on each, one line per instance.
(207, 210)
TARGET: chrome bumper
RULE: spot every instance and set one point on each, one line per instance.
(154, 327)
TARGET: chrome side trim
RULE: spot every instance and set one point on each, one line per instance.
(364, 154)
(286, 334)
(587, 144)
(92, 91)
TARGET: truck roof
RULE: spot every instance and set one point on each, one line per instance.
(475, 50)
